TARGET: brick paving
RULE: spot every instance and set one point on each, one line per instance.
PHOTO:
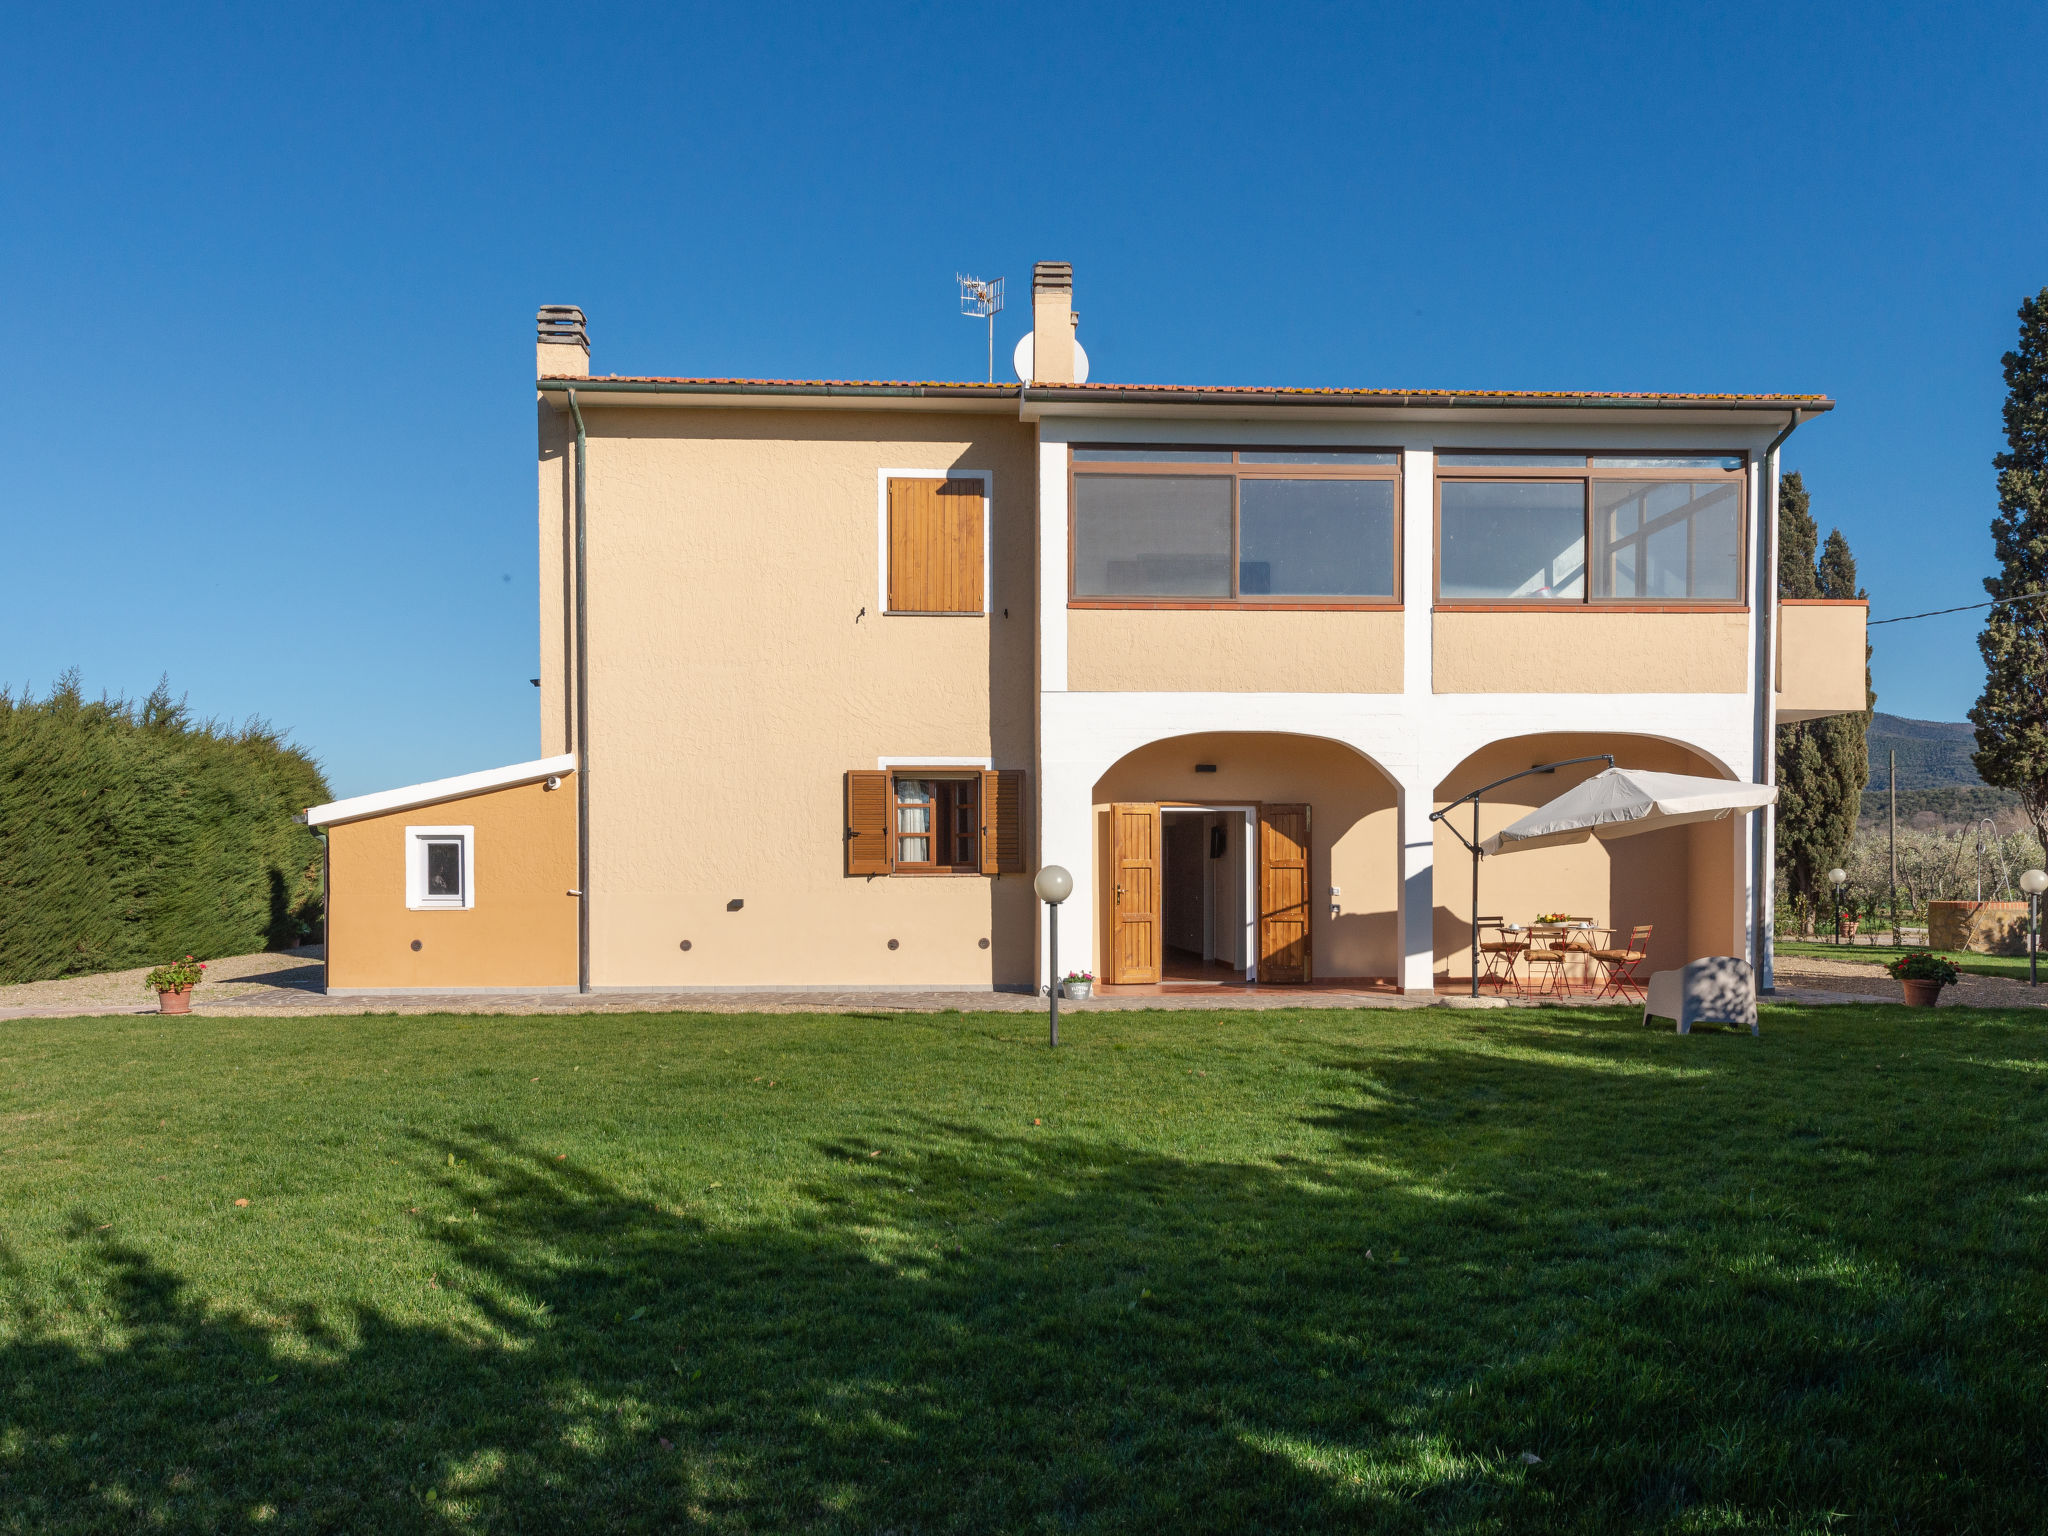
(288, 983)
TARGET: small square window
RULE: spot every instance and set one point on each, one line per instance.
(439, 868)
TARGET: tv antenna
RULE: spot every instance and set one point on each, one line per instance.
(982, 301)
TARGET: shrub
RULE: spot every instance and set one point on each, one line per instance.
(131, 831)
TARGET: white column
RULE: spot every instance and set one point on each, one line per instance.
(1417, 924)
(1417, 908)
(1418, 575)
(1067, 837)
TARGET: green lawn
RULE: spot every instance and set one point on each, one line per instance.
(1232, 1272)
(2013, 967)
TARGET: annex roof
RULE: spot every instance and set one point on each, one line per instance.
(435, 790)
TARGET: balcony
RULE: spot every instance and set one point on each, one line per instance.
(1820, 657)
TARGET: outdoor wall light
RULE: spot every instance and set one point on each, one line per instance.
(735, 904)
(1205, 767)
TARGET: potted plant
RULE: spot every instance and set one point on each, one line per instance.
(173, 984)
(1922, 975)
(1077, 984)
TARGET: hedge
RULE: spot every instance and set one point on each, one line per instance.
(133, 834)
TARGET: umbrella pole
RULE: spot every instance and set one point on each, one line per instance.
(1475, 898)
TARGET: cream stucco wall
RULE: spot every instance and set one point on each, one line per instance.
(1589, 650)
(1681, 881)
(739, 667)
(1137, 650)
(1353, 829)
(1821, 658)
(521, 932)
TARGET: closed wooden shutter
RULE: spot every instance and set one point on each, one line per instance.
(1283, 894)
(935, 546)
(1002, 814)
(867, 822)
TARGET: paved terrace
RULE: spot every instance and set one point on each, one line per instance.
(288, 982)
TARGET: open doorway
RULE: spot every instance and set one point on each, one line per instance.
(1206, 897)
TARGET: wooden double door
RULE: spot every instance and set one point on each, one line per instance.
(1281, 930)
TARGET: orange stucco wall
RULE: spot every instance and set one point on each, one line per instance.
(740, 665)
(520, 933)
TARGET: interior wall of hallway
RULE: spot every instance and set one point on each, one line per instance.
(1682, 881)
(1353, 830)
(740, 666)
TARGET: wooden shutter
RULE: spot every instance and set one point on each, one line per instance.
(867, 823)
(1283, 894)
(935, 546)
(1134, 936)
(1002, 821)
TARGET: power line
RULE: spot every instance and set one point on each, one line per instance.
(1934, 613)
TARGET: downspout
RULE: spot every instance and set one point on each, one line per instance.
(582, 715)
(1763, 834)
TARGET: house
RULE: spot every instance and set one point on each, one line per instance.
(829, 669)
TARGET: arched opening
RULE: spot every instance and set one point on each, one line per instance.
(1233, 857)
(1685, 883)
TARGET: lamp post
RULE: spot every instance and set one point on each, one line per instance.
(2034, 882)
(1838, 878)
(1054, 885)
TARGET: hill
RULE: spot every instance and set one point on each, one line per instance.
(1932, 754)
(1937, 784)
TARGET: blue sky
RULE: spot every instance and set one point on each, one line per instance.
(270, 275)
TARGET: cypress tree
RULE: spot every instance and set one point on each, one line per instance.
(1824, 764)
(2012, 712)
(1798, 536)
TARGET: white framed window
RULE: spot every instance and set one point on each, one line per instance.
(440, 868)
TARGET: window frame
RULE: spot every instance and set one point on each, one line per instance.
(988, 483)
(1237, 471)
(952, 774)
(416, 840)
(1586, 474)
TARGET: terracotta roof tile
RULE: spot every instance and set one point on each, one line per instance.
(1252, 391)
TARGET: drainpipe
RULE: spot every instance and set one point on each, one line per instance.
(582, 715)
(1763, 835)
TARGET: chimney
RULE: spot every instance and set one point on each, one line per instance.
(1052, 322)
(563, 345)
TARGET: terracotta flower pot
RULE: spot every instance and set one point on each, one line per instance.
(179, 1001)
(1920, 994)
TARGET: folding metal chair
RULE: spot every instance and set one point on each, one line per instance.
(1623, 965)
(1499, 953)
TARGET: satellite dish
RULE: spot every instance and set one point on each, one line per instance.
(1022, 359)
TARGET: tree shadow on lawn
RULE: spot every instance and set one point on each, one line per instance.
(978, 1331)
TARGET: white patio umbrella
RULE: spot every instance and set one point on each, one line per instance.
(1622, 802)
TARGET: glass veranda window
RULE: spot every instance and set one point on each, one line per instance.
(1315, 538)
(1151, 536)
(1512, 540)
(1222, 524)
(1678, 539)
